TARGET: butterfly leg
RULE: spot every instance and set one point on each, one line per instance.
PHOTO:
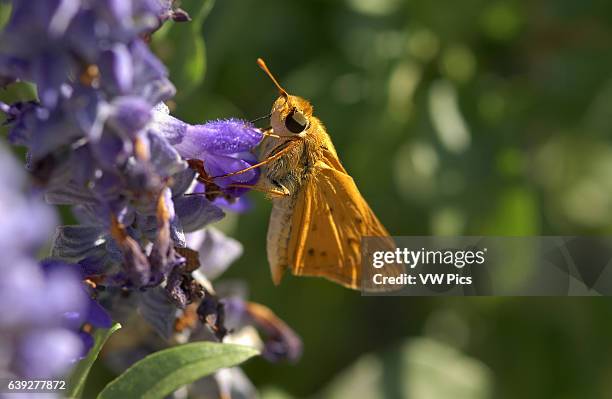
(267, 132)
(289, 147)
(273, 192)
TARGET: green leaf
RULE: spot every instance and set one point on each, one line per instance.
(18, 91)
(78, 378)
(164, 372)
(181, 47)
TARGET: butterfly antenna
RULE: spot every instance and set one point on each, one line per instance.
(263, 66)
(261, 118)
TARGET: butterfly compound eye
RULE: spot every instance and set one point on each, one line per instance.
(296, 122)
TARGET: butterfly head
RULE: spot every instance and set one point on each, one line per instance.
(290, 115)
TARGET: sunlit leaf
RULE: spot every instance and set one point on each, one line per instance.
(163, 372)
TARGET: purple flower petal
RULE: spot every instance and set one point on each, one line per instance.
(239, 205)
(49, 72)
(150, 74)
(234, 383)
(70, 194)
(157, 309)
(82, 165)
(196, 141)
(97, 315)
(16, 236)
(77, 242)
(219, 137)
(116, 68)
(236, 315)
(236, 204)
(130, 115)
(195, 212)
(219, 165)
(107, 187)
(281, 342)
(164, 157)
(182, 181)
(64, 292)
(73, 320)
(87, 341)
(21, 292)
(167, 126)
(216, 251)
(62, 16)
(83, 35)
(111, 149)
(119, 9)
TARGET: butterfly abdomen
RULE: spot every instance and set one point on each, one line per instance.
(279, 231)
(289, 173)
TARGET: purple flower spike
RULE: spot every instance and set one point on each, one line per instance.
(100, 139)
(223, 146)
(226, 137)
(40, 304)
(223, 137)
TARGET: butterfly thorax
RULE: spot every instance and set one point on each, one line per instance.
(292, 170)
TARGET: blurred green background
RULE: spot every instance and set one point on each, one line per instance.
(473, 117)
(454, 118)
(470, 118)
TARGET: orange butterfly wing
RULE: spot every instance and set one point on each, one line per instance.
(329, 219)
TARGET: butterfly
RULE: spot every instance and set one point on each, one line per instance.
(318, 217)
